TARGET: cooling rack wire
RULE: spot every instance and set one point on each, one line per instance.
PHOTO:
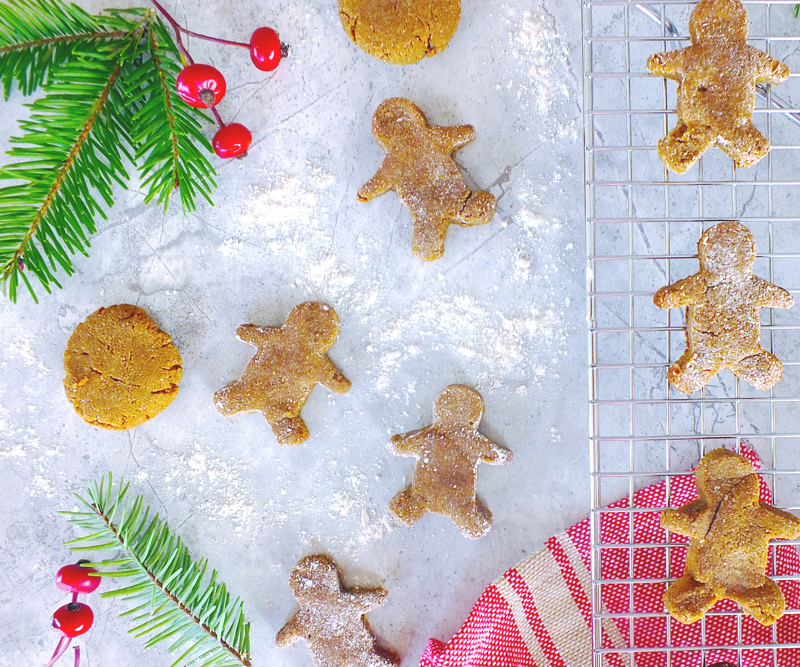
(642, 229)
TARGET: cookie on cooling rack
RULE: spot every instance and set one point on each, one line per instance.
(722, 304)
(728, 529)
(717, 77)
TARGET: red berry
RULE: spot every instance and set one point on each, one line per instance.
(77, 579)
(73, 619)
(232, 140)
(201, 86)
(265, 49)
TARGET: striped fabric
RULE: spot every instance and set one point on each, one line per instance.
(538, 614)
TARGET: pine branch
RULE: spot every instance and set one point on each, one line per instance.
(174, 598)
(71, 155)
(37, 36)
(171, 150)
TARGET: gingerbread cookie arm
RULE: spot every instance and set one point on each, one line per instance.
(769, 69)
(772, 296)
(491, 452)
(363, 599)
(379, 184)
(408, 444)
(779, 524)
(250, 333)
(333, 379)
(683, 521)
(455, 137)
(289, 633)
(667, 64)
(685, 292)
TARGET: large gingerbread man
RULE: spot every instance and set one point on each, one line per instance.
(331, 619)
(717, 77)
(722, 304)
(420, 168)
(728, 529)
(288, 362)
(448, 453)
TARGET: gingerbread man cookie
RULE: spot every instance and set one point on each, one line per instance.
(331, 619)
(717, 77)
(288, 362)
(420, 168)
(728, 529)
(448, 453)
(722, 312)
(400, 32)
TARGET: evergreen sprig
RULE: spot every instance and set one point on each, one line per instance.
(109, 100)
(174, 598)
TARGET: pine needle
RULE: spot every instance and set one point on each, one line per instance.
(109, 99)
(172, 598)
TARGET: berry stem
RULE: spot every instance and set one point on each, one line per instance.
(61, 649)
(217, 116)
(177, 28)
(209, 38)
(74, 597)
(77, 656)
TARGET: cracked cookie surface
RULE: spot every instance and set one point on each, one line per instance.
(420, 168)
(121, 369)
(722, 304)
(400, 32)
(729, 529)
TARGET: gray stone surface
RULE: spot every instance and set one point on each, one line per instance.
(503, 311)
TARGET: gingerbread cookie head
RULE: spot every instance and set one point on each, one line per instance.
(317, 324)
(393, 122)
(448, 453)
(315, 578)
(718, 19)
(726, 249)
(458, 406)
(719, 471)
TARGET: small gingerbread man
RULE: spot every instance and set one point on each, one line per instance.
(448, 453)
(420, 168)
(331, 619)
(722, 312)
(728, 529)
(288, 362)
(717, 77)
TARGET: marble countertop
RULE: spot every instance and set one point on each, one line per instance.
(503, 311)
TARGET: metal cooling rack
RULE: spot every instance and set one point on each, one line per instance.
(643, 224)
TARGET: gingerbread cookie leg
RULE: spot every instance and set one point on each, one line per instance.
(478, 209)
(745, 144)
(760, 370)
(428, 243)
(765, 603)
(684, 145)
(692, 371)
(475, 521)
(290, 430)
(408, 506)
(687, 600)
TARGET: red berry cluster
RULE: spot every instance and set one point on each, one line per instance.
(75, 618)
(203, 86)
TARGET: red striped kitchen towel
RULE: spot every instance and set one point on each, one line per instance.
(538, 614)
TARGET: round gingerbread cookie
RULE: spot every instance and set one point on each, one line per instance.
(401, 32)
(121, 368)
